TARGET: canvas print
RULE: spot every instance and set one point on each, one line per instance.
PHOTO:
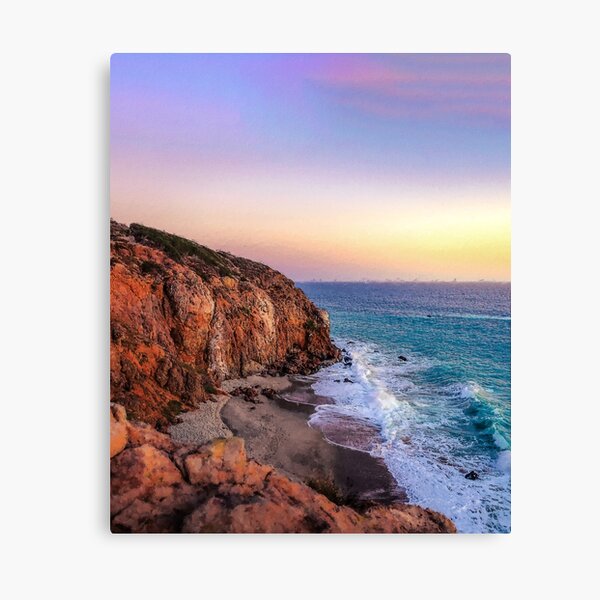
(310, 293)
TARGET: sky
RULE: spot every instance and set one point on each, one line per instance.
(324, 166)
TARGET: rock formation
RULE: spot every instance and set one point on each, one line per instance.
(184, 317)
(159, 486)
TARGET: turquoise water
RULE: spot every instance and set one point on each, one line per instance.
(445, 410)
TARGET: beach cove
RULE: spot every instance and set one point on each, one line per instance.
(276, 431)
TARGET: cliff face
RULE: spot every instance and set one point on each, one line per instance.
(159, 486)
(184, 317)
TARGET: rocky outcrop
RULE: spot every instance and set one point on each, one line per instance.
(160, 486)
(118, 429)
(184, 317)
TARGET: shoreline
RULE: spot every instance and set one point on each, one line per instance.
(221, 312)
(276, 432)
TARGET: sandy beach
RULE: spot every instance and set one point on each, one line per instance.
(276, 432)
(201, 425)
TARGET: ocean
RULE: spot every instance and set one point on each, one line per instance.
(428, 365)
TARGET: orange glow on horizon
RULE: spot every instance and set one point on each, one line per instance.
(420, 234)
(323, 166)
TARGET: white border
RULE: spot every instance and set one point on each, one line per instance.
(54, 299)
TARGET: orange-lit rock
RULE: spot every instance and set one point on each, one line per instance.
(184, 317)
(118, 429)
(215, 488)
(135, 472)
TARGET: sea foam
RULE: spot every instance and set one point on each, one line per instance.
(421, 432)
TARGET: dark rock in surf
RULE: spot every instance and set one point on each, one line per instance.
(269, 393)
(249, 394)
(402, 358)
(346, 380)
(472, 475)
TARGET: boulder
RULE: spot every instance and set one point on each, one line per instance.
(140, 434)
(216, 488)
(118, 429)
(249, 394)
(136, 471)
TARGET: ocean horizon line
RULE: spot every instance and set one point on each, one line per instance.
(470, 282)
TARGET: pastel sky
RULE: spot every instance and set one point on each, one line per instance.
(323, 166)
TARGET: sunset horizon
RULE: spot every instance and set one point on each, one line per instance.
(325, 167)
(330, 231)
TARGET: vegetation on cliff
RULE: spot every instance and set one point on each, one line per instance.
(185, 317)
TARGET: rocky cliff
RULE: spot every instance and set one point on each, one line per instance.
(185, 317)
(158, 486)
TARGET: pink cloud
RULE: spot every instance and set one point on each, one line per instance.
(417, 89)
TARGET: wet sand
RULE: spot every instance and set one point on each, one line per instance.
(276, 432)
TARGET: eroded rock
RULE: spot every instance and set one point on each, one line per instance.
(118, 429)
(216, 488)
(184, 318)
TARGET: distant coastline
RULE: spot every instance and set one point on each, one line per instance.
(468, 282)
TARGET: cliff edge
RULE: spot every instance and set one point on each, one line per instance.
(185, 317)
